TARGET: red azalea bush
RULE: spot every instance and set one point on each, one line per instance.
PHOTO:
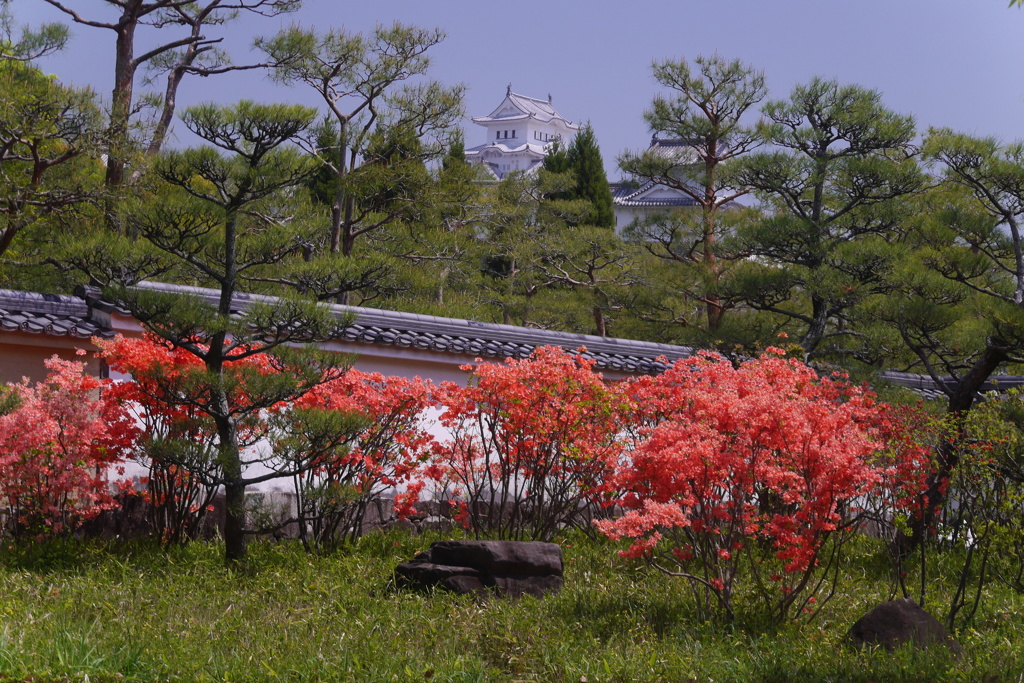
(384, 450)
(532, 443)
(905, 464)
(57, 449)
(761, 468)
(178, 442)
(345, 441)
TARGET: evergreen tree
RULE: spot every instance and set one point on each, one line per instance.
(959, 299)
(583, 167)
(32, 43)
(444, 273)
(455, 157)
(703, 116)
(363, 82)
(544, 265)
(226, 220)
(835, 190)
(556, 161)
(179, 41)
(591, 182)
(323, 185)
(50, 139)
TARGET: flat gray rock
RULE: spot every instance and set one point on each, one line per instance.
(506, 568)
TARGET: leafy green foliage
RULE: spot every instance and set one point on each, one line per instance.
(386, 126)
(589, 183)
(960, 304)
(49, 141)
(540, 264)
(985, 494)
(32, 43)
(179, 41)
(228, 221)
(834, 190)
(702, 129)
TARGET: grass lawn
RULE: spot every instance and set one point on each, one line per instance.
(135, 613)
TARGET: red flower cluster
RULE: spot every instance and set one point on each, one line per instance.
(385, 445)
(57, 448)
(532, 444)
(766, 461)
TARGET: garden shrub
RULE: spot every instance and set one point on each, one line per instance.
(981, 525)
(60, 441)
(532, 444)
(177, 442)
(342, 444)
(382, 455)
(750, 475)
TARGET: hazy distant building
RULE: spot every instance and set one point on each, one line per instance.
(519, 131)
(642, 200)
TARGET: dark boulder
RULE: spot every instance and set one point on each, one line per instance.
(901, 622)
(506, 568)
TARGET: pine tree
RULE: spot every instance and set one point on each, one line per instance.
(229, 217)
(363, 80)
(704, 113)
(837, 184)
(178, 41)
(958, 303)
(49, 136)
(547, 264)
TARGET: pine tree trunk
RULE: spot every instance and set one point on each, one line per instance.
(234, 523)
(947, 456)
(816, 330)
(599, 323)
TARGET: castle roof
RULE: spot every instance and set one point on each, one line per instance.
(516, 107)
(503, 147)
(648, 195)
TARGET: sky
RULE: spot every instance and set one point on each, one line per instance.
(950, 63)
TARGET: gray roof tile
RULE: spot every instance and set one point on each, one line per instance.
(50, 314)
(927, 388)
(70, 316)
(629, 194)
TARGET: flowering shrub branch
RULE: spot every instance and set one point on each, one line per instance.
(760, 467)
(386, 444)
(532, 443)
(58, 445)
